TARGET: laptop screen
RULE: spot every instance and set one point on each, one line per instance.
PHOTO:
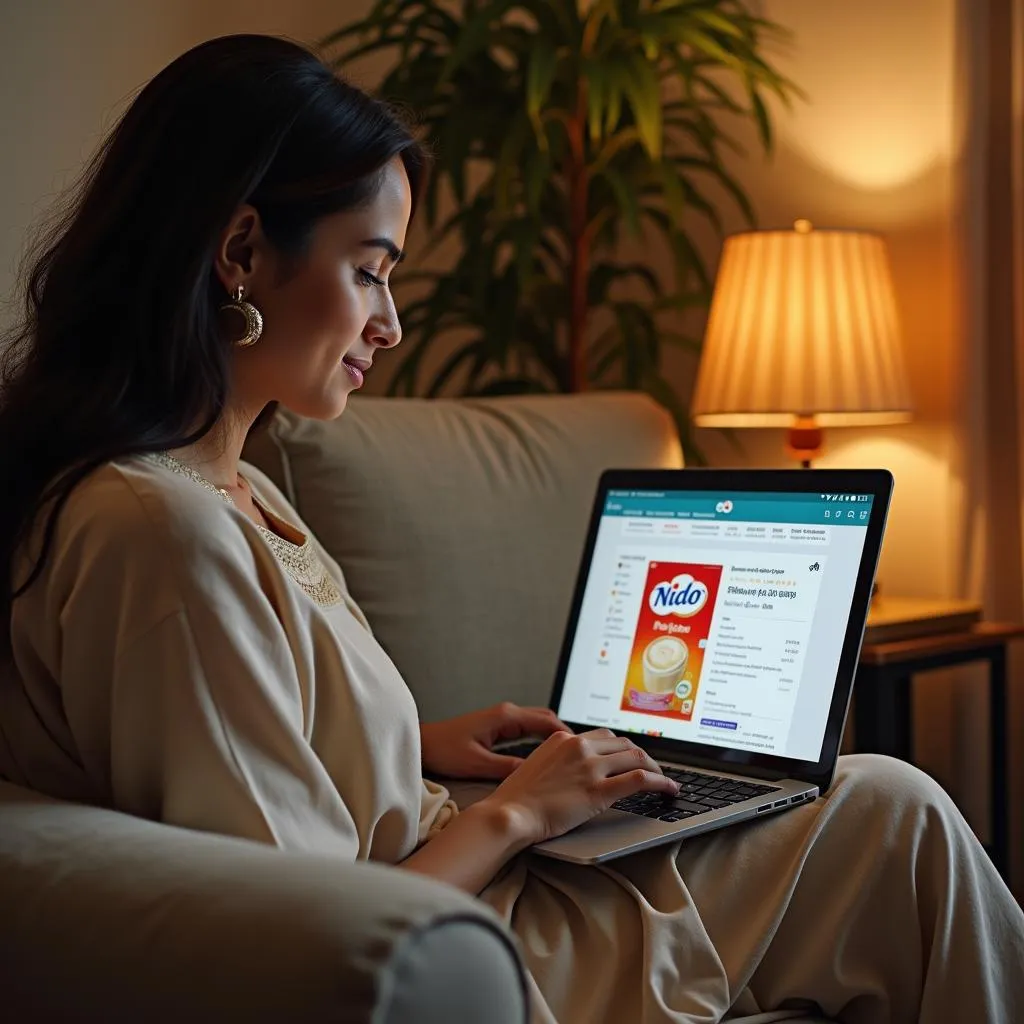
(717, 618)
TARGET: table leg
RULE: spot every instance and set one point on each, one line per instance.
(997, 738)
(883, 717)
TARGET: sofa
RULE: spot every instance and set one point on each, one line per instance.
(459, 526)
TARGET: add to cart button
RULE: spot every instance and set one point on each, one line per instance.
(717, 723)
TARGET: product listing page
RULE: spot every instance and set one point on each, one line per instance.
(699, 624)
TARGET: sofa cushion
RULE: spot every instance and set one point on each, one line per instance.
(459, 524)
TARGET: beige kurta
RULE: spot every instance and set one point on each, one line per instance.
(167, 665)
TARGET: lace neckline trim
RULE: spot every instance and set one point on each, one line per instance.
(300, 561)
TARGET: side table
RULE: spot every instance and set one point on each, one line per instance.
(883, 717)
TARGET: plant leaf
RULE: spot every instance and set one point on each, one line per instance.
(540, 74)
(643, 91)
(596, 84)
(764, 124)
(673, 190)
(474, 36)
(622, 140)
(717, 22)
(704, 42)
(626, 198)
(604, 274)
(729, 183)
(536, 170)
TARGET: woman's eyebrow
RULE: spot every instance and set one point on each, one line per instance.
(396, 254)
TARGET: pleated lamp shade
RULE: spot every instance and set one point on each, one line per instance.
(802, 332)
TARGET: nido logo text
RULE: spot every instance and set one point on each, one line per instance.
(683, 596)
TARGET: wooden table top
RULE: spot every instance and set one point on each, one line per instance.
(984, 634)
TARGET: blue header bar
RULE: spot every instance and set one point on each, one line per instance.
(744, 507)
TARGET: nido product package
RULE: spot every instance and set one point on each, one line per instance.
(671, 634)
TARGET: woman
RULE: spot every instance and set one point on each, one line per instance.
(181, 648)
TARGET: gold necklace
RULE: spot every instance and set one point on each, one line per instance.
(300, 561)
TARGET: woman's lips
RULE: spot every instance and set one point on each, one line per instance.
(356, 367)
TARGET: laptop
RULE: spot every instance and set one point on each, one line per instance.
(716, 621)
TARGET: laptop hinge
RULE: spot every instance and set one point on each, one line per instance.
(719, 764)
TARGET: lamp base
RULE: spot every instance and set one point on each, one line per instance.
(804, 440)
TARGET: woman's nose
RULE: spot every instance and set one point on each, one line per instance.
(385, 330)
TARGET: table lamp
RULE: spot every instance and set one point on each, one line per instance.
(802, 333)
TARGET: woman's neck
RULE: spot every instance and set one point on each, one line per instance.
(216, 455)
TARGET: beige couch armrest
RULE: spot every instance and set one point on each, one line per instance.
(108, 917)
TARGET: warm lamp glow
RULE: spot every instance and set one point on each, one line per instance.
(881, 83)
(802, 333)
(886, 141)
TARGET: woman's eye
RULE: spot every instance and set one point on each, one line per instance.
(370, 280)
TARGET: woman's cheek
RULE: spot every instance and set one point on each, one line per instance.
(352, 307)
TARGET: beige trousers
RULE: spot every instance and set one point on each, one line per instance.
(874, 904)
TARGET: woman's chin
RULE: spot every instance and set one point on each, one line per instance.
(323, 406)
(338, 408)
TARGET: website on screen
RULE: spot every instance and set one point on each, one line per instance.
(717, 618)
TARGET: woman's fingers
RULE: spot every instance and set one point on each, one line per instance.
(639, 780)
(628, 760)
(515, 721)
(604, 741)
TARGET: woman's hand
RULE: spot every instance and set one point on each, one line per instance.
(460, 748)
(569, 779)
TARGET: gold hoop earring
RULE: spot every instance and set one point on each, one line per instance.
(253, 317)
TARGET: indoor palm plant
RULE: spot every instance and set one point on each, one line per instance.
(558, 125)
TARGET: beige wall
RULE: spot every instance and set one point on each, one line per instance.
(875, 147)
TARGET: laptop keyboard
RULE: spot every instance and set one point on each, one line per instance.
(699, 792)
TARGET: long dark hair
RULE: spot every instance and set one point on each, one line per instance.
(119, 350)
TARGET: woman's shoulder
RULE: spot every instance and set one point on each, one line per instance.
(137, 491)
(134, 536)
(135, 508)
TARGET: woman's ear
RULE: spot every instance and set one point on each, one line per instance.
(242, 251)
